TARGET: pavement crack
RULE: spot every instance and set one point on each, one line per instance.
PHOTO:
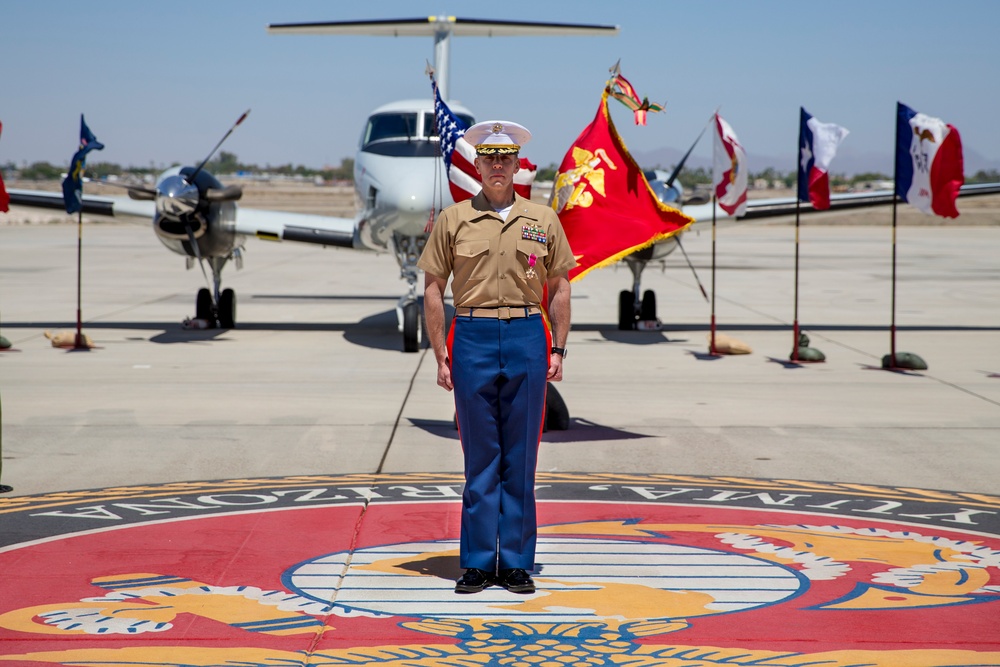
(402, 406)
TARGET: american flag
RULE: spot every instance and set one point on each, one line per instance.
(459, 156)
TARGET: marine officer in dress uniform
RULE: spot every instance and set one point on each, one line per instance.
(502, 251)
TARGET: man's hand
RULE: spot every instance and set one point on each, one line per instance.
(559, 315)
(444, 375)
(434, 316)
(555, 367)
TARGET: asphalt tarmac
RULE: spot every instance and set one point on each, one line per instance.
(313, 379)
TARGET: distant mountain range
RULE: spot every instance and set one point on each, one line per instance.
(847, 162)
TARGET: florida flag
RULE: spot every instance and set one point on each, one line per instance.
(604, 201)
(459, 156)
(929, 168)
(729, 170)
(817, 145)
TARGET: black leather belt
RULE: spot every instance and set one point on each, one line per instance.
(498, 313)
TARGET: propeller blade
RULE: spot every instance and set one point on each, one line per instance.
(190, 179)
(697, 199)
(229, 193)
(197, 252)
(141, 194)
(136, 192)
(680, 165)
(688, 259)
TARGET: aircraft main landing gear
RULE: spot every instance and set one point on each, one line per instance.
(636, 315)
(411, 327)
(222, 316)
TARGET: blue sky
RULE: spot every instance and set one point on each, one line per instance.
(161, 83)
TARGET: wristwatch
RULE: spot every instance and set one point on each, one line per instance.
(561, 351)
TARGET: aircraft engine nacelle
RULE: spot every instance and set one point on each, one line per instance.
(196, 211)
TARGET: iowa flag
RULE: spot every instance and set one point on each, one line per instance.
(929, 166)
(604, 202)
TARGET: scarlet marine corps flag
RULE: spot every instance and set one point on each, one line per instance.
(604, 202)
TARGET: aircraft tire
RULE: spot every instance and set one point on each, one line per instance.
(411, 327)
(648, 306)
(556, 412)
(227, 309)
(203, 305)
(626, 310)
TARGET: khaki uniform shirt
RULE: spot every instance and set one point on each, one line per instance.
(490, 257)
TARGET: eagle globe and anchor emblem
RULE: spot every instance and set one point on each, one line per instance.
(585, 611)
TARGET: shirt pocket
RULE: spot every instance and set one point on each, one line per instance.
(525, 249)
(472, 260)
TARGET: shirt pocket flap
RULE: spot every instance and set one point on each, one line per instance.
(528, 247)
(472, 248)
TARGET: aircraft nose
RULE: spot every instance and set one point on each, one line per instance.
(413, 194)
(176, 197)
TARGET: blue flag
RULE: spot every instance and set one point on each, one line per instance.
(72, 185)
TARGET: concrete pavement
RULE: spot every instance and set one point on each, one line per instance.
(287, 492)
(314, 365)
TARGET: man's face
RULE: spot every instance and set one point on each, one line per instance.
(497, 171)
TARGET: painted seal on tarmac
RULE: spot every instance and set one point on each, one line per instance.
(632, 570)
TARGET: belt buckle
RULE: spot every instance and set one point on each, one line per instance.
(503, 312)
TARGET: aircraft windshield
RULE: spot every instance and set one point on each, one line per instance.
(384, 126)
(393, 127)
(429, 130)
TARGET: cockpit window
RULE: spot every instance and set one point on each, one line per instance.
(390, 126)
(430, 131)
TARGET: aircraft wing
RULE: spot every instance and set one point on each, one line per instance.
(115, 207)
(302, 227)
(432, 25)
(268, 225)
(767, 208)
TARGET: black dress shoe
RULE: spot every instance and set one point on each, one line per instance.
(516, 580)
(473, 581)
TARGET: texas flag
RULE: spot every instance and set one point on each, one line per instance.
(817, 145)
(729, 169)
(929, 168)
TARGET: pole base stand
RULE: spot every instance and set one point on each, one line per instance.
(904, 360)
(808, 355)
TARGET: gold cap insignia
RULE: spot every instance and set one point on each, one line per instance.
(497, 128)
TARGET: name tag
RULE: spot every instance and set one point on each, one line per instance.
(533, 233)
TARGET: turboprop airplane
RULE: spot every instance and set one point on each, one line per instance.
(639, 312)
(396, 180)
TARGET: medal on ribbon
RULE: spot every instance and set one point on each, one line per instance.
(531, 266)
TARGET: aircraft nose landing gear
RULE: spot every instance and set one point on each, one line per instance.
(633, 314)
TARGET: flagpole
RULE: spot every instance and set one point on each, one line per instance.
(79, 342)
(892, 325)
(711, 344)
(795, 316)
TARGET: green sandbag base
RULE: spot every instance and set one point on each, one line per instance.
(905, 360)
(808, 354)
